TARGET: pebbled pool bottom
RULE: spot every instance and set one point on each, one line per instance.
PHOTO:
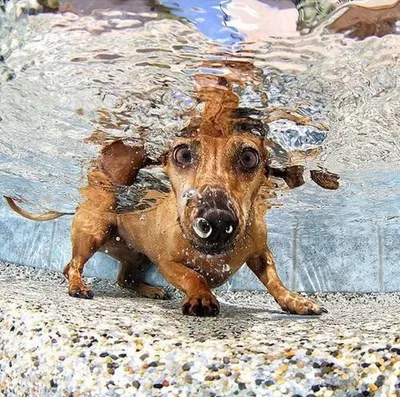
(119, 344)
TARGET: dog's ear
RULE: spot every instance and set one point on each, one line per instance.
(325, 179)
(121, 162)
(293, 175)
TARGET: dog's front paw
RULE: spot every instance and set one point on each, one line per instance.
(80, 291)
(296, 304)
(201, 305)
(150, 291)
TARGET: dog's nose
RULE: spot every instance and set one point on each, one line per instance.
(215, 226)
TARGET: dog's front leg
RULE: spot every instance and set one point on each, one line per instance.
(199, 301)
(264, 267)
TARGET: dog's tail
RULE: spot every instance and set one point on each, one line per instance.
(47, 216)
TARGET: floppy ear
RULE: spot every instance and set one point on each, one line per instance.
(121, 162)
(325, 179)
(293, 175)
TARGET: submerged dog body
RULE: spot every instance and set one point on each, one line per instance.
(198, 235)
(202, 231)
(219, 180)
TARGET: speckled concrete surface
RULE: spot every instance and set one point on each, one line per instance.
(121, 345)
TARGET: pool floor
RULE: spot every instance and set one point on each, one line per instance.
(121, 345)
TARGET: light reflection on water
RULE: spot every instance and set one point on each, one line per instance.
(117, 73)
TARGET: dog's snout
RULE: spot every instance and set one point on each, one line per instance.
(216, 220)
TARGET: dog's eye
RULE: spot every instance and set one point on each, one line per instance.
(249, 158)
(183, 155)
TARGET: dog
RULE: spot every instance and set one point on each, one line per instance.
(205, 228)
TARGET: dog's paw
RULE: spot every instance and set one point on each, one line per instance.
(150, 291)
(202, 306)
(146, 290)
(80, 292)
(296, 304)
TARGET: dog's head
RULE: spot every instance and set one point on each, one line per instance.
(215, 180)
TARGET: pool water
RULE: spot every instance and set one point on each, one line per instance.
(107, 69)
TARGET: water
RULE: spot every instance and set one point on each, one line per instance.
(71, 81)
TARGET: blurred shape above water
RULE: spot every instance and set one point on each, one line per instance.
(257, 20)
(232, 21)
(312, 12)
(210, 17)
(363, 19)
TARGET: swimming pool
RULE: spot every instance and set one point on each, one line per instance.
(72, 79)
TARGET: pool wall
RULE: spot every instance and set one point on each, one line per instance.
(361, 257)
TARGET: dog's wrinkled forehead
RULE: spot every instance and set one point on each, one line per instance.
(239, 120)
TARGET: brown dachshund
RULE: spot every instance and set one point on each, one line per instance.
(202, 231)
